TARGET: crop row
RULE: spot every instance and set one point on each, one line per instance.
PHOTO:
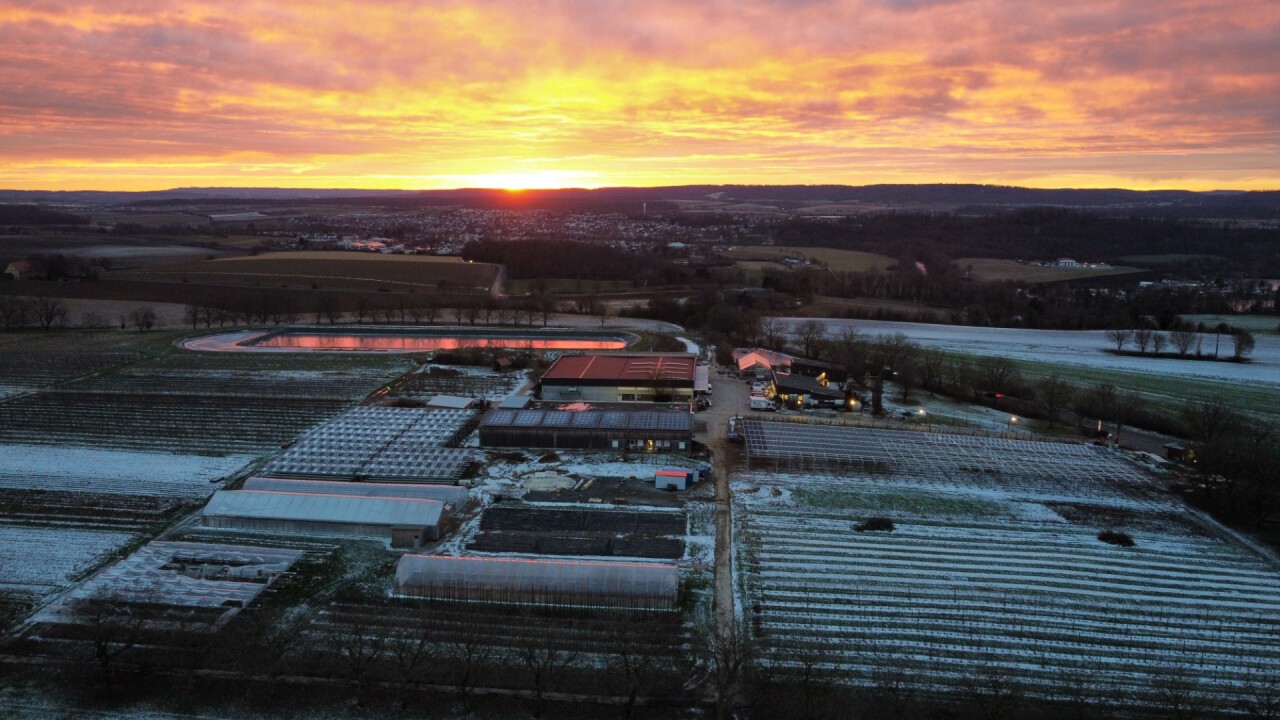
(200, 424)
(1034, 601)
(287, 384)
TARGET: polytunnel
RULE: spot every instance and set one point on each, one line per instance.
(648, 586)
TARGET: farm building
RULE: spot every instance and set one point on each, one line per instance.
(448, 494)
(802, 391)
(640, 431)
(20, 270)
(758, 361)
(673, 479)
(648, 586)
(404, 522)
(761, 363)
(621, 377)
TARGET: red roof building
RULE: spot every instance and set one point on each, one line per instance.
(621, 377)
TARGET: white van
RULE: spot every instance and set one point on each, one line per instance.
(760, 402)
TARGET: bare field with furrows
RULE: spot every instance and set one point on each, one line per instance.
(992, 269)
(327, 270)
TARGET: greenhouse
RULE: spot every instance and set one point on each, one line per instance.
(538, 581)
(407, 523)
(404, 444)
(448, 494)
(800, 446)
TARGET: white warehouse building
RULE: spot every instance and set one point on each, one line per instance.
(405, 522)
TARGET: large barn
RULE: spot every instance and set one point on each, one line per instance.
(404, 522)
(637, 431)
(646, 586)
(621, 377)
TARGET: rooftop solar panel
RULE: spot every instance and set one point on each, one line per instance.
(615, 420)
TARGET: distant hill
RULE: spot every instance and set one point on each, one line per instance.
(960, 197)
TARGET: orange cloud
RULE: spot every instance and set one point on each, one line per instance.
(134, 94)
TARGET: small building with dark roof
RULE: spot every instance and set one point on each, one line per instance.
(621, 377)
(804, 391)
(630, 430)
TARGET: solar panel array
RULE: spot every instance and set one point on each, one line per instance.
(591, 419)
(380, 442)
(801, 445)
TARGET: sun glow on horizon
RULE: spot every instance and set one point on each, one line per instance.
(520, 181)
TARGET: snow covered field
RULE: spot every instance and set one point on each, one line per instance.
(993, 579)
(122, 472)
(40, 560)
(1084, 348)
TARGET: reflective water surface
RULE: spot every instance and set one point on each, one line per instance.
(411, 343)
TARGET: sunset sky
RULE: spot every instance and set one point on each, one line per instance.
(152, 94)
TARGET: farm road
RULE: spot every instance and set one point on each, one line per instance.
(731, 397)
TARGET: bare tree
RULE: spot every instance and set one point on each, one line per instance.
(1158, 342)
(364, 309)
(1178, 696)
(143, 318)
(50, 311)
(1055, 394)
(635, 657)
(1074, 686)
(430, 311)
(848, 349)
(359, 641)
(327, 309)
(545, 660)
(771, 330)
(1209, 420)
(999, 374)
(811, 333)
(1242, 344)
(14, 311)
(1119, 336)
(991, 692)
(728, 656)
(1142, 338)
(473, 313)
(469, 658)
(115, 627)
(1183, 340)
(799, 677)
(931, 366)
(1261, 698)
(415, 651)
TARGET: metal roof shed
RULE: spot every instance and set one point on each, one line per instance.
(323, 515)
(649, 586)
